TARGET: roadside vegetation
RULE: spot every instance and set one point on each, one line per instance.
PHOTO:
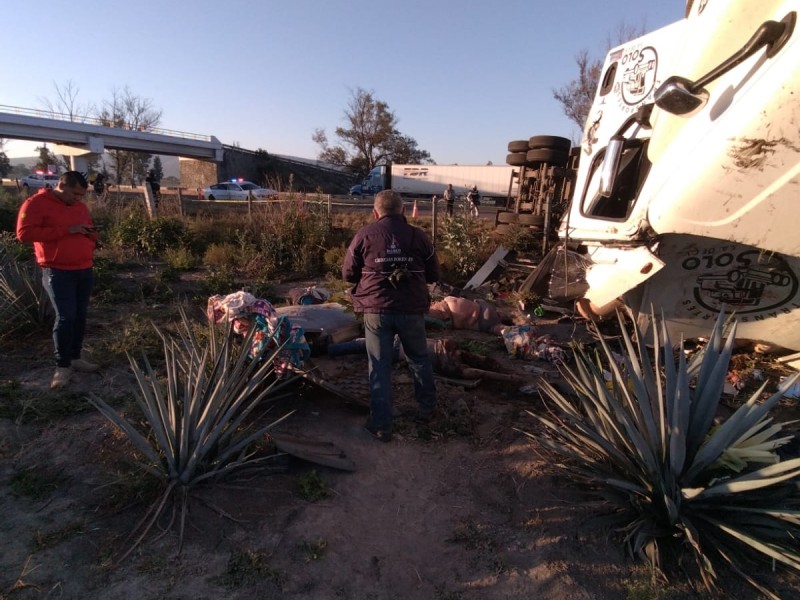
(638, 430)
(641, 433)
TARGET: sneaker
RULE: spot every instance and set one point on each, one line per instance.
(61, 377)
(84, 366)
(381, 435)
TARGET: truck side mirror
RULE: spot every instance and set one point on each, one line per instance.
(608, 170)
(681, 96)
(677, 95)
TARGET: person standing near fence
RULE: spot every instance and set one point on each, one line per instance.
(449, 199)
(474, 198)
(390, 264)
(64, 238)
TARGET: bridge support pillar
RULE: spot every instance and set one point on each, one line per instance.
(79, 163)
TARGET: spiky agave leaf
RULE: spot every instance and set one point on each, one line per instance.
(644, 446)
(23, 299)
(196, 415)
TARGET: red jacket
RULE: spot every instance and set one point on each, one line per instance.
(45, 220)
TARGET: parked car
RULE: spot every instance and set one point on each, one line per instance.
(36, 181)
(237, 190)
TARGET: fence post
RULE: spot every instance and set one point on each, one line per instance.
(180, 202)
(433, 221)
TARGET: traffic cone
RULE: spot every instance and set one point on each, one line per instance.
(415, 212)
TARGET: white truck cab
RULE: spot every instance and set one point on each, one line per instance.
(687, 198)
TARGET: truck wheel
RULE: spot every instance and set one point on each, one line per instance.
(518, 146)
(553, 142)
(555, 158)
(506, 217)
(531, 220)
(211, 197)
(516, 159)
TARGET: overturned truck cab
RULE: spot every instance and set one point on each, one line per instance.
(687, 198)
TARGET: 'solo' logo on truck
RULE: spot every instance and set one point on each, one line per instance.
(638, 77)
(748, 281)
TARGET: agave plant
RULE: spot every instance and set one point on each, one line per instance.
(198, 415)
(647, 446)
(23, 299)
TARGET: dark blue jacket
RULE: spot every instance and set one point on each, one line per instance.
(379, 249)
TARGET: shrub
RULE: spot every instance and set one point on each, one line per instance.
(333, 259)
(221, 256)
(147, 236)
(290, 238)
(465, 241)
(180, 258)
(646, 447)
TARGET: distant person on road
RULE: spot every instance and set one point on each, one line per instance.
(154, 185)
(474, 198)
(64, 239)
(449, 199)
(99, 184)
(391, 262)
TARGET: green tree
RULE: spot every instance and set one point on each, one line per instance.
(46, 159)
(158, 169)
(369, 137)
(5, 164)
(405, 150)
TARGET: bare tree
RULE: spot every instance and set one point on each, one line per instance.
(369, 138)
(66, 102)
(126, 110)
(577, 96)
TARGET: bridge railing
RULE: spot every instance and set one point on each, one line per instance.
(88, 120)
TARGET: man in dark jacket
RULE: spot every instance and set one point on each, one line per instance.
(391, 262)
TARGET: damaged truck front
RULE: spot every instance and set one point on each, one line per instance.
(687, 198)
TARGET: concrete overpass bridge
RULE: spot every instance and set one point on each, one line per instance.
(79, 137)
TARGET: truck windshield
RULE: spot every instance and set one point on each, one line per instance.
(633, 168)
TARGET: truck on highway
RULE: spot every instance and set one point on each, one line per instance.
(686, 197)
(425, 181)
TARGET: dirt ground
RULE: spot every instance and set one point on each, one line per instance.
(464, 509)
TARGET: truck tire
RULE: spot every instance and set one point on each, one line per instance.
(518, 146)
(211, 197)
(555, 158)
(506, 217)
(553, 142)
(516, 159)
(530, 220)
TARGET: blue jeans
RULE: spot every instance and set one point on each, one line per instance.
(380, 330)
(69, 293)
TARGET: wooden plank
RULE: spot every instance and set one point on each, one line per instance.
(322, 453)
(491, 264)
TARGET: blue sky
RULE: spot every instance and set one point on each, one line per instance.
(464, 77)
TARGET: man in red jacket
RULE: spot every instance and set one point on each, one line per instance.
(64, 238)
(391, 262)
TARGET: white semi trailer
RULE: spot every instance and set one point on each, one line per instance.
(493, 181)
